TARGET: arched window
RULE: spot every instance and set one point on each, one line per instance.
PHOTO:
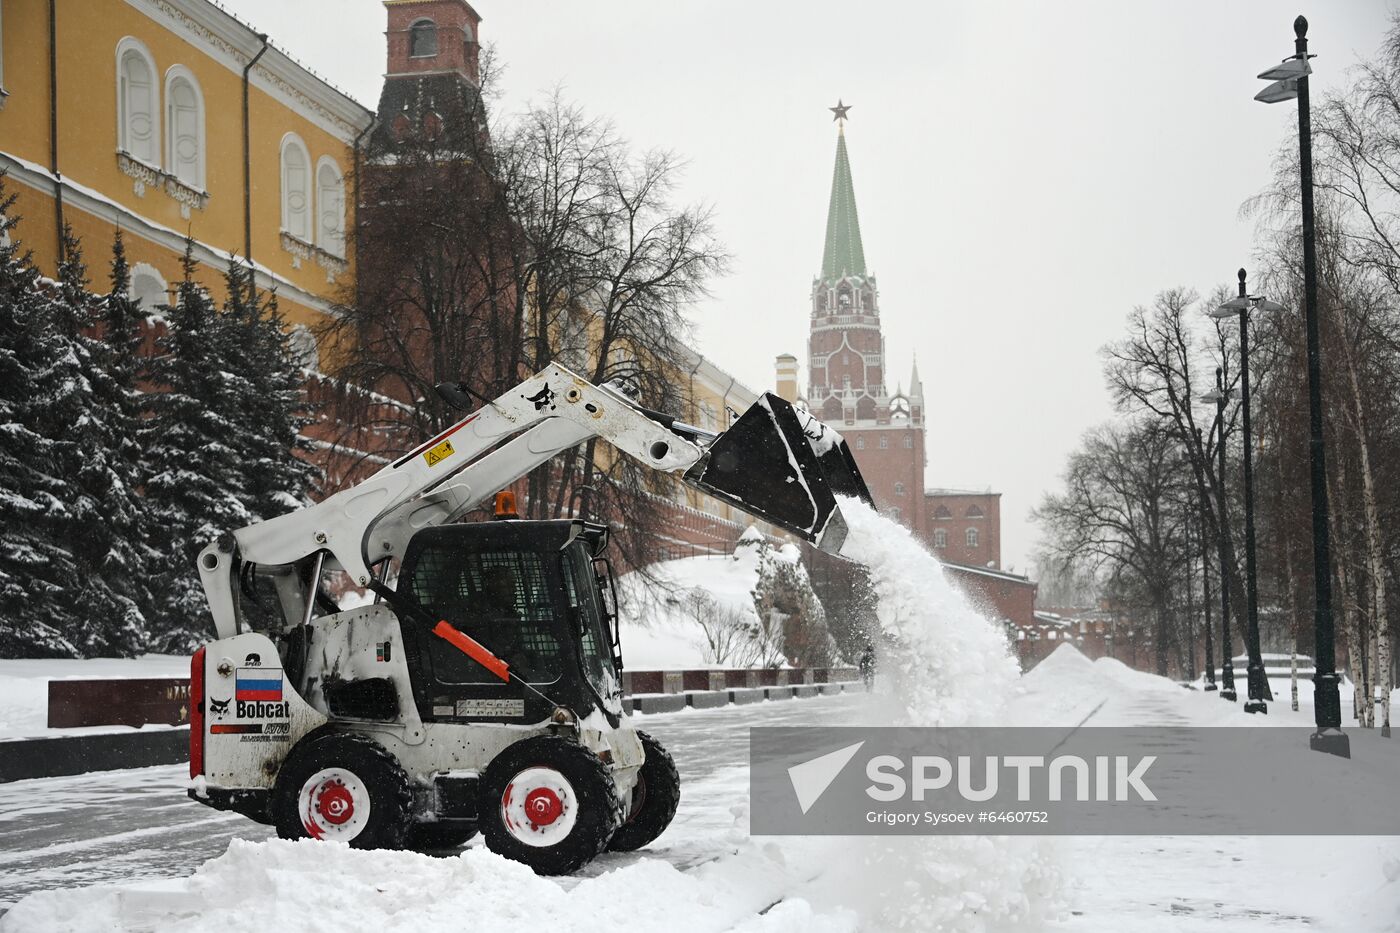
(138, 111)
(972, 537)
(940, 538)
(974, 511)
(908, 441)
(302, 343)
(296, 188)
(330, 207)
(860, 443)
(942, 512)
(422, 39)
(884, 442)
(899, 489)
(148, 287)
(897, 512)
(184, 127)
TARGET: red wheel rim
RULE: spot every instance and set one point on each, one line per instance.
(543, 806)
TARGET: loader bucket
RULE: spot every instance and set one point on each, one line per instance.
(766, 465)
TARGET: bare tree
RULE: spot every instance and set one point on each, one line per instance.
(1121, 510)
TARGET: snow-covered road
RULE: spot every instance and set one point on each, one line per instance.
(134, 825)
(129, 828)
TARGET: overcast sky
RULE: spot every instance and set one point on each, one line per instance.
(1025, 172)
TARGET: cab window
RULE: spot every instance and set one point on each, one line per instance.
(500, 598)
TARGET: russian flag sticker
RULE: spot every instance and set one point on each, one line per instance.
(258, 683)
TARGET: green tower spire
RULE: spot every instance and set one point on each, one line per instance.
(844, 254)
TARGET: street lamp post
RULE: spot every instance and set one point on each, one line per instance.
(1205, 593)
(1291, 80)
(1259, 692)
(1227, 666)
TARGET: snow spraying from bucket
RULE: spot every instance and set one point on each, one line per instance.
(941, 663)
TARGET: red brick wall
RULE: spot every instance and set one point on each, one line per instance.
(987, 552)
(890, 469)
(999, 598)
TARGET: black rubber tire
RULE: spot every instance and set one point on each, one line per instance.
(654, 799)
(391, 798)
(599, 809)
(444, 834)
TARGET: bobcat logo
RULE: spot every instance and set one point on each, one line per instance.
(218, 707)
(545, 396)
(253, 660)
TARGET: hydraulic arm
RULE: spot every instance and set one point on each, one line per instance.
(775, 462)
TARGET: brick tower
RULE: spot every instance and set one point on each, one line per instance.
(847, 379)
(433, 79)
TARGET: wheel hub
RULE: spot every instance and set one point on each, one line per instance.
(543, 806)
(335, 804)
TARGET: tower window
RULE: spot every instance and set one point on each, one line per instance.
(972, 537)
(422, 39)
(940, 538)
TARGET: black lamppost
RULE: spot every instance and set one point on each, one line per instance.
(1200, 526)
(1291, 80)
(1205, 589)
(1227, 666)
(1259, 691)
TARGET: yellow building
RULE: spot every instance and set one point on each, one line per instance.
(168, 118)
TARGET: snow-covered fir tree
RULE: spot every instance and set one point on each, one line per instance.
(97, 461)
(196, 481)
(227, 411)
(36, 566)
(264, 381)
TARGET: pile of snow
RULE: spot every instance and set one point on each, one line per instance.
(940, 664)
(24, 687)
(279, 885)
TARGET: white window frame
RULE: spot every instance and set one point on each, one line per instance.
(860, 443)
(940, 538)
(132, 45)
(971, 537)
(899, 489)
(908, 442)
(181, 73)
(884, 442)
(290, 141)
(335, 245)
(145, 269)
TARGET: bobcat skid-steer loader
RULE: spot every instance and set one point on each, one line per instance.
(481, 691)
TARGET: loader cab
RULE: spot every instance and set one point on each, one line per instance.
(538, 595)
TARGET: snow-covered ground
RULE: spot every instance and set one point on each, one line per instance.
(24, 688)
(658, 633)
(942, 664)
